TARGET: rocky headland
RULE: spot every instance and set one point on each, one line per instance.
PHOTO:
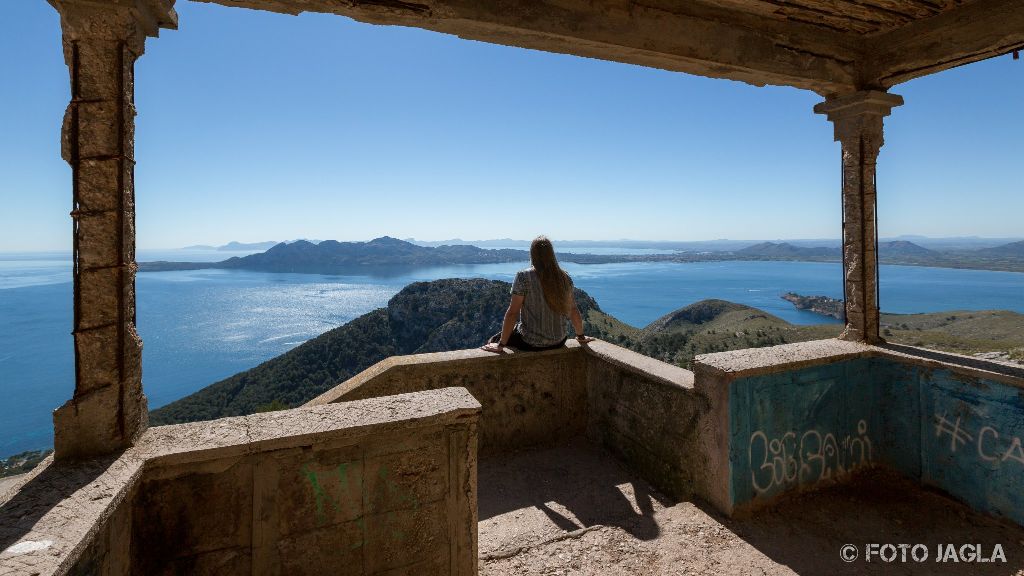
(823, 305)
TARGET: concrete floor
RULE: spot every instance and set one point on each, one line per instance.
(574, 509)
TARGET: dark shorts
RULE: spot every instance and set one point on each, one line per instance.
(516, 341)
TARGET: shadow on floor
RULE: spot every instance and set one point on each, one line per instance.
(575, 485)
(806, 532)
(576, 509)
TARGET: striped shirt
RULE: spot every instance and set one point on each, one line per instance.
(538, 324)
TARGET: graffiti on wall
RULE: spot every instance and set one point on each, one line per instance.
(987, 442)
(799, 459)
(973, 441)
(331, 491)
(951, 430)
(339, 492)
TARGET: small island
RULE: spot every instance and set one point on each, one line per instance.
(818, 304)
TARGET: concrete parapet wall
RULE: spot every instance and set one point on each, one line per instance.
(528, 399)
(822, 410)
(798, 428)
(648, 414)
(645, 411)
(750, 425)
(366, 487)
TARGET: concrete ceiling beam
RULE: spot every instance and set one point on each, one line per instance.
(976, 31)
(689, 37)
(745, 40)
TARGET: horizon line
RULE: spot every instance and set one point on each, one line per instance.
(588, 240)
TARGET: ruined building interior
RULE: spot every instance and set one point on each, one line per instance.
(590, 459)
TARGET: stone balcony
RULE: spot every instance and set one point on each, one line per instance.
(591, 460)
(379, 476)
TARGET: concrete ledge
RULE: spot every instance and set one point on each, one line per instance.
(781, 358)
(528, 398)
(240, 435)
(11, 484)
(59, 510)
(650, 368)
(453, 358)
(787, 357)
(966, 365)
(644, 410)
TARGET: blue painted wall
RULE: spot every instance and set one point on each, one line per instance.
(971, 434)
(805, 427)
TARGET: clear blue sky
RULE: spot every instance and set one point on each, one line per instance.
(256, 126)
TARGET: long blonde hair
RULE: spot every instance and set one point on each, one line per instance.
(553, 280)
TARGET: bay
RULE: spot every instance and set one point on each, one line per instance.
(201, 326)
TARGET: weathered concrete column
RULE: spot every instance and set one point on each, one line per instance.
(101, 42)
(857, 119)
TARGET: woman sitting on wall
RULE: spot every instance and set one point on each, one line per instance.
(542, 299)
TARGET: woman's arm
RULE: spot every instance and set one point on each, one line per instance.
(508, 324)
(577, 325)
(511, 317)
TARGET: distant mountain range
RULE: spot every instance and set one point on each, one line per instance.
(787, 251)
(890, 250)
(1008, 257)
(933, 243)
(235, 246)
(330, 257)
(1012, 250)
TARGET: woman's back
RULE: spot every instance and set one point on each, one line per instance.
(538, 323)
(542, 301)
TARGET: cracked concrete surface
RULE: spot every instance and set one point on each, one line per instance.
(573, 509)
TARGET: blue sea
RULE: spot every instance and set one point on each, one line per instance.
(201, 326)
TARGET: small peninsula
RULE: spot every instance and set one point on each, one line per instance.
(823, 305)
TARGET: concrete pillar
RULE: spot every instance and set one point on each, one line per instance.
(857, 119)
(101, 43)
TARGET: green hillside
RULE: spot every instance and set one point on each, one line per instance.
(963, 332)
(717, 326)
